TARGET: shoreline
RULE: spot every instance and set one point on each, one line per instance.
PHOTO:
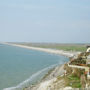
(21, 85)
(49, 78)
(47, 50)
(58, 70)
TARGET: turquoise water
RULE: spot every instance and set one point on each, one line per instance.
(18, 64)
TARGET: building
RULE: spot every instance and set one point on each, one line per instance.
(88, 60)
(88, 75)
(88, 49)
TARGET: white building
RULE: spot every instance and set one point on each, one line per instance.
(88, 60)
(88, 49)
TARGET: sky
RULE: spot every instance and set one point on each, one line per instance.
(54, 21)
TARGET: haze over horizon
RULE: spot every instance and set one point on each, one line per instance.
(54, 21)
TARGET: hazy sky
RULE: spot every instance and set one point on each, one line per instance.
(62, 21)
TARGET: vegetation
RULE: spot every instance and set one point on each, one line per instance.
(73, 77)
(73, 81)
(80, 60)
(88, 65)
(66, 47)
(70, 80)
(76, 77)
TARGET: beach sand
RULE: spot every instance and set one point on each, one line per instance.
(53, 51)
(59, 70)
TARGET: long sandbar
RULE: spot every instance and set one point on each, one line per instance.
(53, 51)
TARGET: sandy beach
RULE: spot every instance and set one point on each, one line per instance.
(59, 70)
(52, 51)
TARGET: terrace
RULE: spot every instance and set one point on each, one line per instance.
(81, 62)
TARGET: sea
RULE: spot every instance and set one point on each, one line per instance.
(21, 67)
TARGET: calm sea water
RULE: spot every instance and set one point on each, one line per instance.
(20, 64)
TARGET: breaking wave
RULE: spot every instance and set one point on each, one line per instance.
(25, 83)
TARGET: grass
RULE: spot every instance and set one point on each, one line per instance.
(66, 47)
(88, 65)
(70, 80)
(72, 48)
(72, 77)
(73, 81)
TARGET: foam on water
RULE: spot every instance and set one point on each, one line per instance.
(22, 85)
(31, 62)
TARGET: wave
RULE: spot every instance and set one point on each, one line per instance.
(22, 85)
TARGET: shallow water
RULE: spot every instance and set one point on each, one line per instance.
(20, 64)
